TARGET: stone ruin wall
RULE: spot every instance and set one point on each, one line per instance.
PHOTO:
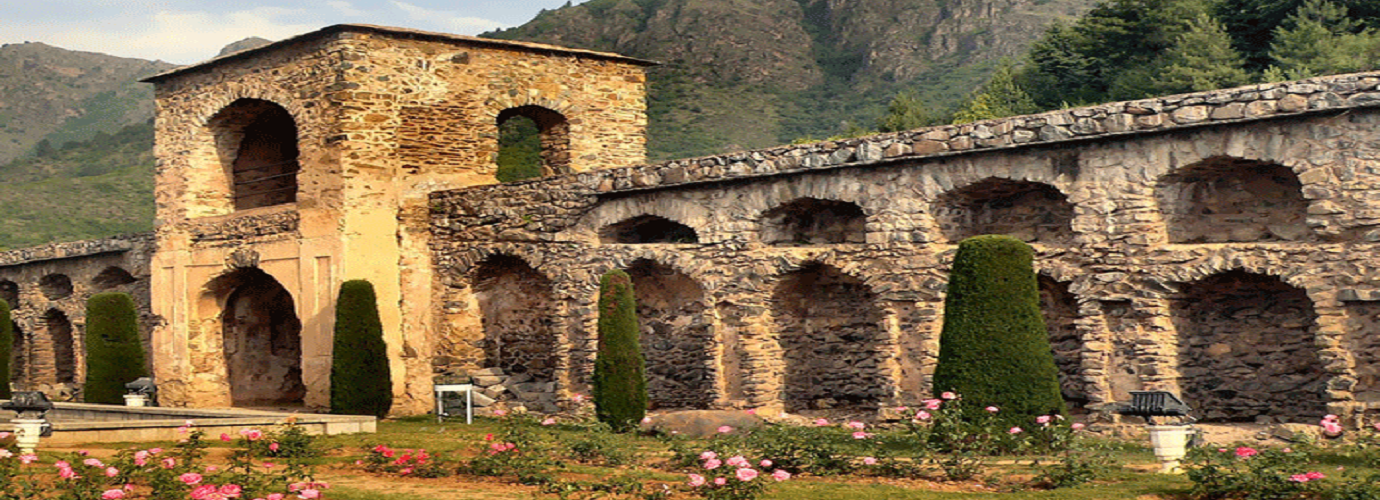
(1281, 281)
(48, 286)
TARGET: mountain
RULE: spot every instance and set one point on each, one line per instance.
(755, 73)
(63, 95)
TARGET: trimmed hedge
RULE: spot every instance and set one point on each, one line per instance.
(6, 348)
(620, 382)
(994, 349)
(114, 353)
(360, 380)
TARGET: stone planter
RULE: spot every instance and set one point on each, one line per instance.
(26, 433)
(138, 400)
(1170, 443)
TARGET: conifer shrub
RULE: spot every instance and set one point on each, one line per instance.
(620, 383)
(360, 380)
(6, 346)
(114, 353)
(994, 349)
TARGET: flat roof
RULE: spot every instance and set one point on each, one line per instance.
(401, 33)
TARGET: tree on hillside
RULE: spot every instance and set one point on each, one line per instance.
(1200, 59)
(1252, 24)
(907, 111)
(1001, 96)
(1320, 39)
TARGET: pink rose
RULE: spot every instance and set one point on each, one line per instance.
(750, 411)
(696, 480)
(67, 473)
(712, 463)
(230, 490)
(646, 420)
(1298, 478)
(91, 462)
(111, 472)
(933, 404)
(1246, 452)
(115, 494)
(856, 425)
(1043, 419)
(708, 455)
(274, 496)
(821, 422)
(765, 463)
(225, 437)
(922, 415)
(780, 475)
(204, 492)
(500, 413)
(1015, 430)
(309, 493)
(28, 458)
(724, 429)
(273, 446)
(861, 435)
(869, 461)
(746, 474)
(992, 409)
(737, 461)
(548, 421)
(948, 396)
(190, 478)
(720, 481)
(1077, 426)
(1314, 475)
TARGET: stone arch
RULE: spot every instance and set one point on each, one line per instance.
(677, 336)
(553, 137)
(648, 229)
(1226, 199)
(831, 331)
(260, 338)
(257, 143)
(516, 303)
(814, 221)
(1031, 211)
(9, 292)
(112, 277)
(55, 286)
(1246, 348)
(60, 341)
(1060, 309)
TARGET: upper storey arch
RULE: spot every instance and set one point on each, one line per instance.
(533, 141)
(256, 143)
(1225, 199)
(813, 221)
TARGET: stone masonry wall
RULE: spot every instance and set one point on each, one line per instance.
(1121, 168)
(47, 288)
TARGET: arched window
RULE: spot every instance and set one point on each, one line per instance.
(55, 286)
(9, 292)
(832, 340)
(112, 277)
(1225, 199)
(812, 221)
(532, 142)
(648, 229)
(1030, 211)
(257, 141)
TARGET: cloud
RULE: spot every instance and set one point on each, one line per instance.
(172, 35)
(346, 9)
(447, 20)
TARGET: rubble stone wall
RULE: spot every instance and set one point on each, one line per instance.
(1135, 306)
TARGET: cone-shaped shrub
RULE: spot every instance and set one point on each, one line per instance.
(114, 353)
(620, 383)
(6, 346)
(994, 349)
(360, 381)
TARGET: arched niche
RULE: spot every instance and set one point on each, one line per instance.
(1060, 311)
(59, 340)
(1030, 211)
(532, 142)
(55, 286)
(261, 339)
(9, 292)
(813, 221)
(677, 336)
(517, 303)
(1247, 350)
(258, 146)
(830, 330)
(645, 229)
(1225, 199)
(112, 277)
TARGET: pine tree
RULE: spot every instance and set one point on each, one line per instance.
(1000, 97)
(1200, 59)
(1320, 39)
(6, 348)
(907, 111)
(620, 382)
(361, 383)
(114, 353)
(994, 348)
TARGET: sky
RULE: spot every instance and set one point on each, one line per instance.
(187, 31)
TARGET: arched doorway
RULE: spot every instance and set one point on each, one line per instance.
(262, 341)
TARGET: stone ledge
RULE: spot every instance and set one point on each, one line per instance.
(74, 249)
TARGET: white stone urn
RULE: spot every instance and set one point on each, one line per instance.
(139, 400)
(26, 433)
(1170, 443)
